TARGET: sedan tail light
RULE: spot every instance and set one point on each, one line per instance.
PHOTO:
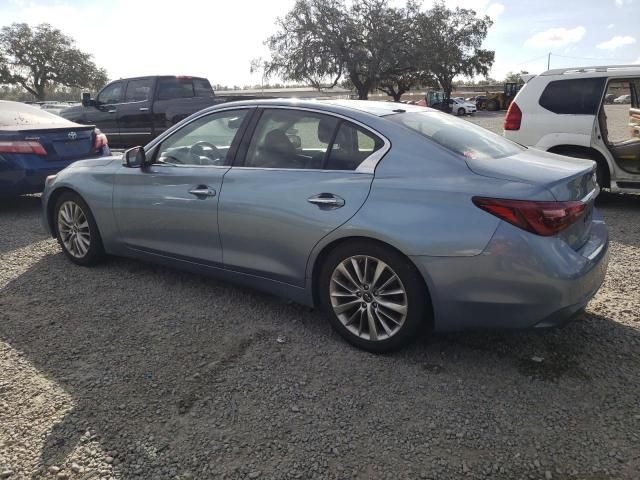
(513, 118)
(541, 218)
(99, 140)
(22, 146)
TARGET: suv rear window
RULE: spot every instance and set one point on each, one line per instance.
(459, 136)
(579, 96)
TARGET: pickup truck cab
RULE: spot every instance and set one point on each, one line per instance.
(134, 111)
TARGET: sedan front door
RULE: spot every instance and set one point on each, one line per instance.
(304, 174)
(170, 208)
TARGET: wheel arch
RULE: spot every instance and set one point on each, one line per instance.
(590, 153)
(51, 205)
(329, 247)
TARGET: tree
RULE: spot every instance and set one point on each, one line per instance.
(43, 57)
(321, 41)
(454, 39)
(309, 45)
(513, 77)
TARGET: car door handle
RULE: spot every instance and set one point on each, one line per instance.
(144, 109)
(202, 191)
(326, 200)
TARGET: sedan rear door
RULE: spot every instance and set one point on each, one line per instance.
(304, 173)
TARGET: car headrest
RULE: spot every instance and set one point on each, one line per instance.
(277, 140)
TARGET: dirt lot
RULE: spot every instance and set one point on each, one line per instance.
(135, 371)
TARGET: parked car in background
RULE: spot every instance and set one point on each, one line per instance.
(462, 107)
(133, 111)
(609, 98)
(623, 99)
(35, 143)
(562, 111)
(389, 219)
(54, 108)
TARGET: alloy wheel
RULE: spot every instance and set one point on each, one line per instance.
(74, 229)
(368, 297)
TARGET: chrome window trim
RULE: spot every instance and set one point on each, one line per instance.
(317, 170)
(368, 165)
(175, 165)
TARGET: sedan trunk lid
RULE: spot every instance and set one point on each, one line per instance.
(568, 179)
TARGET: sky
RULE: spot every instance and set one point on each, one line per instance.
(218, 39)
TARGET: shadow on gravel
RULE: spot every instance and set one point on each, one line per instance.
(14, 213)
(621, 201)
(181, 375)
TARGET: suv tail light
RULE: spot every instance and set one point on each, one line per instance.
(513, 118)
(20, 146)
(99, 140)
(541, 218)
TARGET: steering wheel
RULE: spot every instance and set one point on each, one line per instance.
(208, 150)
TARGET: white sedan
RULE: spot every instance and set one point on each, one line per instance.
(462, 107)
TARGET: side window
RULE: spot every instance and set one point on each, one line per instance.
(351, 147)
(579, 96)
(290, 139)
(138, 90)
(175, 87)
(111, 94)
(205, 141)
(202, 87)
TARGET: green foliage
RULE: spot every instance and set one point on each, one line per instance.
(369, 45)
(454, 39)
(41, 58)
(513, 77)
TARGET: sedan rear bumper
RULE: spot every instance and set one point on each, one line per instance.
(520, 280)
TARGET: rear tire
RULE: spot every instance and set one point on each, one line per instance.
(492, 106)
(77, 231)
(378, 306)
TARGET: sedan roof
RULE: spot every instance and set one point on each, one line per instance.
(379, 109)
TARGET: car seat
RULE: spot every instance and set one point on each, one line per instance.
(277, 151)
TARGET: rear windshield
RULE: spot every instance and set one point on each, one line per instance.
(17, 114)
(459, 136)
(183, 87)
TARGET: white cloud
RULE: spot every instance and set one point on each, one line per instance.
(616, 42)
(556, 37)
(495, 10)
(170, 40)
(620, 3)
(610, 26)
(637, 61)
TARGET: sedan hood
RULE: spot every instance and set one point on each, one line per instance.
(565, 177)
(95, 162)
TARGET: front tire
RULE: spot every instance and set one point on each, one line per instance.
(374, 297)
(461, 112)
(77, 231)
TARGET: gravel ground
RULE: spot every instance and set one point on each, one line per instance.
(130, 370)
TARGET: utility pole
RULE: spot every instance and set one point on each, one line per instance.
(549, 61)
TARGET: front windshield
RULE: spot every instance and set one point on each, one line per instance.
(459, 136)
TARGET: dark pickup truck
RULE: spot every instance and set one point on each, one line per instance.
(133, 111)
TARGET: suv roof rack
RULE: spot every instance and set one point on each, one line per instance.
(601, 68)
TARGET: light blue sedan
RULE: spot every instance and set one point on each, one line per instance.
(391, 218)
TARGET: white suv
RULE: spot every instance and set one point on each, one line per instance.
(563, 111)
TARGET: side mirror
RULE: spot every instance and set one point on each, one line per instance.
(134, 158)
(86, 99)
